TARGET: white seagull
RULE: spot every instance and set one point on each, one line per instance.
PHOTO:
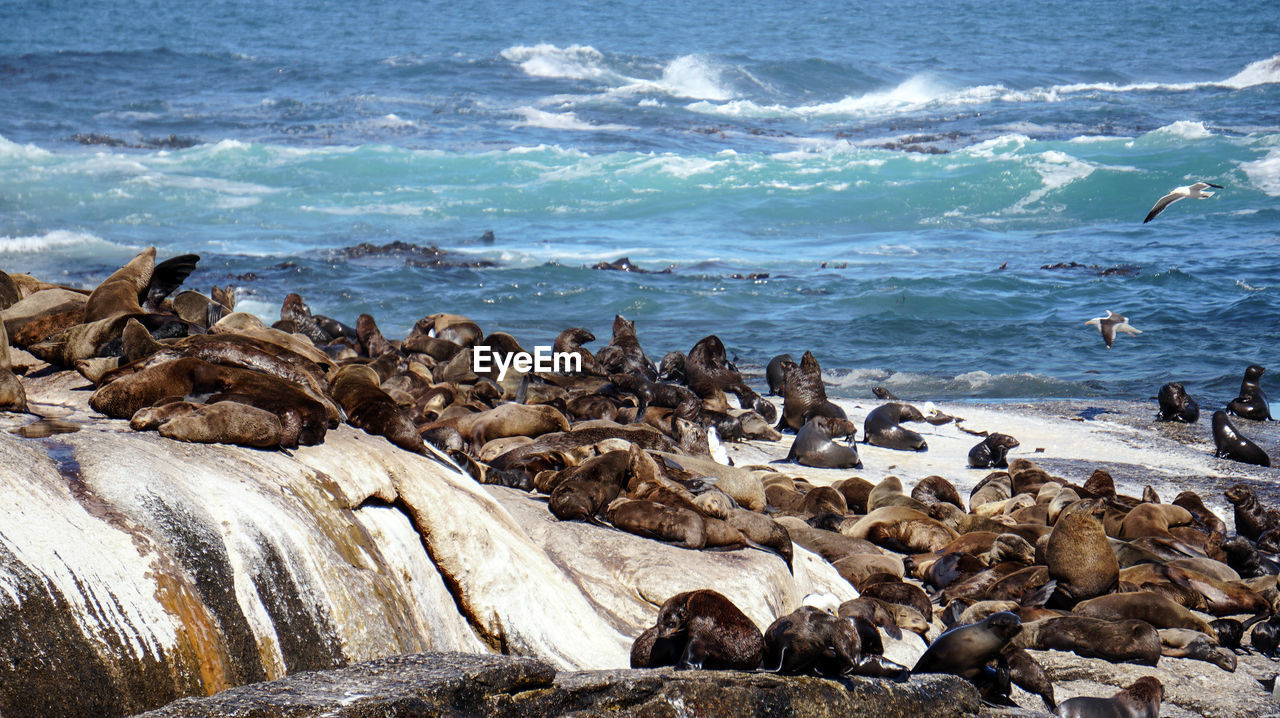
(1195, 191)
(1111, 324)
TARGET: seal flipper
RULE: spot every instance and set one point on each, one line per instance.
(166, 277)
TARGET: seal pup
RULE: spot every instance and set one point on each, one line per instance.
(990, 453)
(1194, 191)
(811, 640)
(706, 630)
(1176, 405)
(882, 428)
(1140, 700)
(1111, 324)
(1252, 402)
(815, 445)
(1229, 443)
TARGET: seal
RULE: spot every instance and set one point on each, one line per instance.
(705, 630)
(1079, 556)
(990, 454)
(1176, 405)
(1127, 640)
(934, 489)
(570, 341)
(1148, 606)
(965, 650)
(1252, 518)
(372, 410)
(709, 372)
(1252, 402)
(810, 640)
(225, 422)
(804, 396)
(815, 445)
(1231, 444)
(775, 374)
(882, 428)
(903, 530)
(1140, 700)
(118, 294)
(651, 519)
(623, 355)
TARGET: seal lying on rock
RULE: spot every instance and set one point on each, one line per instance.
(811, 640)
(1176, 405)
(700, 629)
(1140, 700)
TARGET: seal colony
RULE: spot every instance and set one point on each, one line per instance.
(1029, 561)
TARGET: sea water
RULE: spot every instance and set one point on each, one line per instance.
(881, 184)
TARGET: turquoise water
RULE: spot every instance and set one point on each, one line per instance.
(914, 149)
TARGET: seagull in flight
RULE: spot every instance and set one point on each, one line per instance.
(1111, 324)
(1195, 191)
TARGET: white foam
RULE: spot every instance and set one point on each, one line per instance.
(1185, 129)
(1057, 170)
(1265, 173)
(268, 312)
(14, 150)
(692, 76)
(577, 62)
(57, 239)
(1262, 72)
(393, 122)
(562, 121)
(209, 184)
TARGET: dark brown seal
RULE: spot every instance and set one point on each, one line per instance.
(990, 453)
(1252, 518)
(1252, 402)
(803, 392)
(708, 371)
(1140, 700)
(702, 629)
(811, 641)
(815, 444)
(658, 521)
(225, 422)
(882, 428)
(1116, 641)
(775, 374)
(623, 355)
(965, 650)
(1176, 405)
(372, 410)
(1229, 443)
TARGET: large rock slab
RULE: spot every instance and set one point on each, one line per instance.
(461, 685)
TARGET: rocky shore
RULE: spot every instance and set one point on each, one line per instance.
(366, 571)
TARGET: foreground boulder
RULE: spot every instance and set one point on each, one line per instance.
(459, 684)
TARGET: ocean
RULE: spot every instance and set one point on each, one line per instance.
(931, 196)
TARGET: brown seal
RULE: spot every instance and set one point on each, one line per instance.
(225, 422)
(933, 489)
(803, 393)
(810, 640)
(1080, 557)
(990, 453)
(570, 341)
(1229, 443)
(815, 445)
(903, 530)
(1176, 405)
(302, 418)
(650, 519)
(118, 294)
(707, 369)
(882, 428)
(370, 409)
(702, 629)
(1252, 518)
(1252, 402)
(1148, 606)
(1115, 641)
(965, 650)
(1140, 700)
(775, 374)
(623, 355)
